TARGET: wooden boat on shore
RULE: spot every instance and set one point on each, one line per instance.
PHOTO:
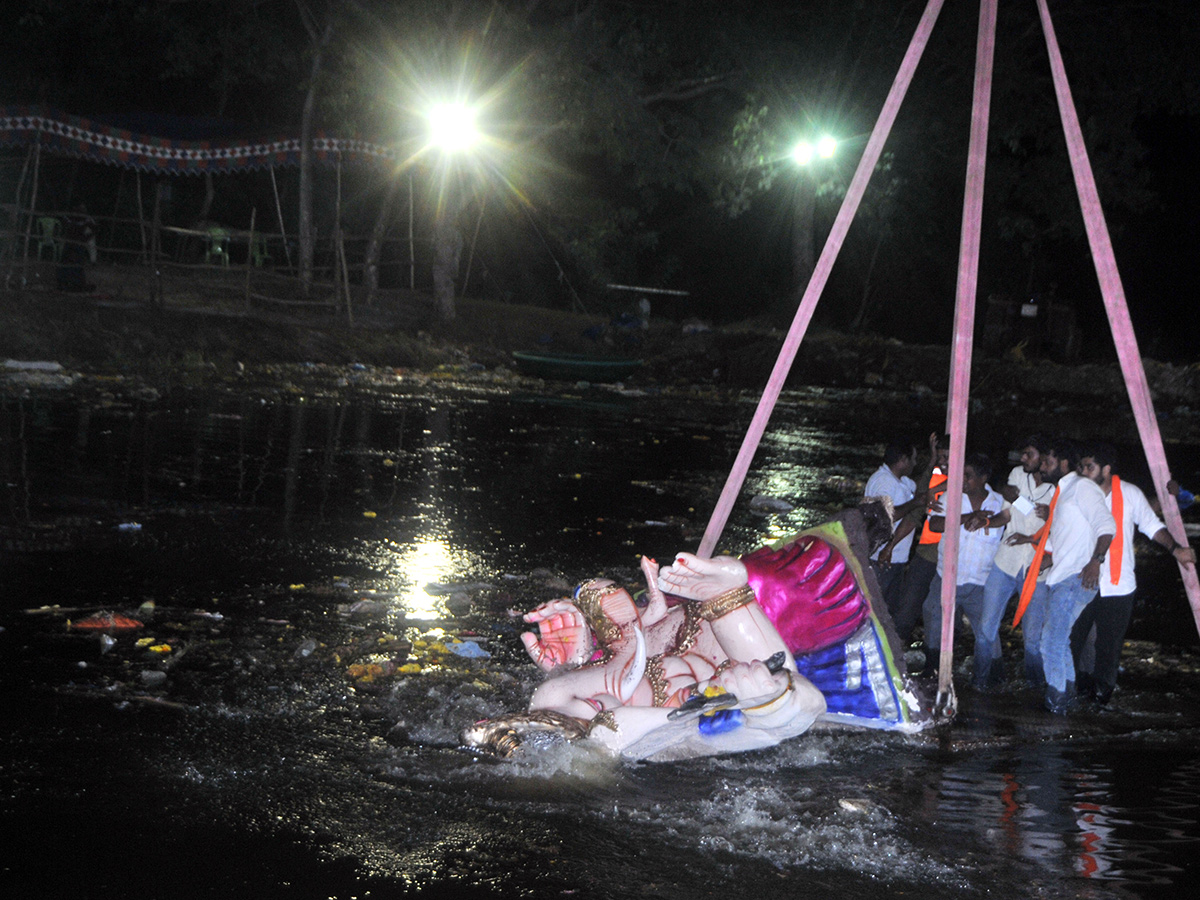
(575, 367)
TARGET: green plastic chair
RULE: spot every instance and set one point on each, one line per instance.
(49, 237)
(218, 246)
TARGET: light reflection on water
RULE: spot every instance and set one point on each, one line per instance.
(279, 510)
(1065, 810)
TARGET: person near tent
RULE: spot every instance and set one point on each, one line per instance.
(1022, 493)
(79, 248)
(923, 558)
(1109, 612)
(892, 480)
(978, 540)
(1078, 532)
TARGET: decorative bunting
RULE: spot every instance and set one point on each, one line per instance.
(74, 136)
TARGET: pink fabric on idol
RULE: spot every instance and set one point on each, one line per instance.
(808, 592)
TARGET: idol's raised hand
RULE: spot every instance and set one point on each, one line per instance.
(563, 637)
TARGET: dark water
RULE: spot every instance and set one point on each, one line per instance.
(258, 757)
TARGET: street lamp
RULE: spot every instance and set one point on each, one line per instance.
(453, 131)
(452, 127)
(803, 252)
(806, 151)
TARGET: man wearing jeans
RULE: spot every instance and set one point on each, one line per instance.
(1110, 612)
(977, 543)
(1024, 490)
(1081, 528)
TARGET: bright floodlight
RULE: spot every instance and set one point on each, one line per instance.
(805, 151)
(452, 127)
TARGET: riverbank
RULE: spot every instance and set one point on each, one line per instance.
(113, 336)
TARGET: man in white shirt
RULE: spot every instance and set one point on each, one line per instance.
(977, 544)
(1081, 528)
(1025, 488)
(1110, 612)
(892, 480)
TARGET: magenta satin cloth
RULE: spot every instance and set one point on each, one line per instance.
(808, 592)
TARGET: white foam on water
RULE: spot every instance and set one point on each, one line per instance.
(787, 822)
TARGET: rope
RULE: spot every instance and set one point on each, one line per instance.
(964, 331)
(816, 284)
(1116, 306)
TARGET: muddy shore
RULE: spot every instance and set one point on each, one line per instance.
(110, 336)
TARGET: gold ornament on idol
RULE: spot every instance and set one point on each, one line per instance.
(726, 603)
(590, 600)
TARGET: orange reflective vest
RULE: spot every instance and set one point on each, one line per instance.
(928, 535)
(1117, 548)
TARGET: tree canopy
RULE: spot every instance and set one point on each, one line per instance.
(647, 142)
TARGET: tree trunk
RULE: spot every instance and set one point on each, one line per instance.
(375, 245)
(803, 257)
(865, 306)
(306, 229)
(446, 253)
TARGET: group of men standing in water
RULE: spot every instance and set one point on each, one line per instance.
(1058, 536)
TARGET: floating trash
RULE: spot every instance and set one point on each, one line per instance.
(469, 650)
(366, 673)
(763, 503)
(105, 621)
(438, 590)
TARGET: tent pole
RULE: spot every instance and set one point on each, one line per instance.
(337, 216)
(112, 226)
(37, 158)
(14, 221)
(287, 253)
(156, 246)
(141, 217)
(250, 253)
(341, 254)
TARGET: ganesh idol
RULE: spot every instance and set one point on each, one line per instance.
(720, 655)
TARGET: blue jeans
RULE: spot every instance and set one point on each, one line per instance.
(969, 599)
(1032, 626)
(997, 590)
(1064, 602)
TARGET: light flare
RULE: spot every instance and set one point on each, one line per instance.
(453, 127)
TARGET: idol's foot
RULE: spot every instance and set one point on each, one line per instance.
(702, 579)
